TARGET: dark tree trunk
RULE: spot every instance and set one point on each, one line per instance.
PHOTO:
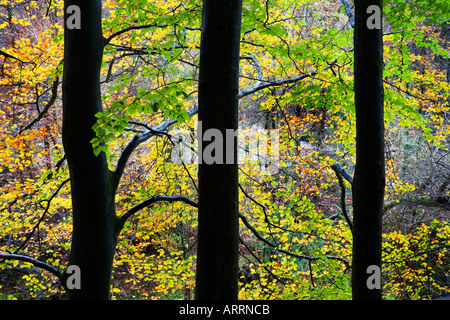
(218, 223)
(94, 236)
(369, 178)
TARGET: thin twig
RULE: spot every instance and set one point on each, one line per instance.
(276, 247)
(49, 200)
(46, 108)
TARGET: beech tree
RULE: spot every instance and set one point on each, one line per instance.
(218, 215)
(369, 177)
(296, 80)
(93, 185)
(94, 220)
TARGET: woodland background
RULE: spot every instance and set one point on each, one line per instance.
(296, 76)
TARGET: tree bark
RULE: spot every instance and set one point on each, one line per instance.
(218, 213)
(369, 178)
(94, 233)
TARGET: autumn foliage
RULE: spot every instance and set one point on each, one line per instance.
(296, 81)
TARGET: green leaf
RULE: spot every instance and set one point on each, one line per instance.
(97, 151)
(117, 104)
(95, 142)
(167, 113)
(185, 115)
(141, 91)
(154, 106)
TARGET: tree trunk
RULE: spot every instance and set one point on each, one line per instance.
(218, 222)
(94, 236)
(369, 178)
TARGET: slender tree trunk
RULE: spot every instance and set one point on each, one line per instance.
(218, 222)
(94, 236)
(369, 179)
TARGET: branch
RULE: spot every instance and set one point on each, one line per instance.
(338, 170)
(138, 139)
(35, 262)
(435, 201)
(7, 55)
(118, 33)
(25, 194)
(152, 200)
(276, 247)
(266, 218)
(348, 11)
(343, 172)
(261, 238)
(255, 232)
(258, 87)
(258, 68)
(47, 106)
(406, 91)
(49, 200)
(283, 282)
(274, 84)
(171, 139)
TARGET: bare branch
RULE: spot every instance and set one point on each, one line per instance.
(406, 91)
(339, 173)
(348, 11)
(35, 262)
(274, 84)
(276, 247)
(46, 108)
(342, 172)
(258, 69)
(146, 26)
(427, 201)
(118, 33)
(152, 200)
(270, 84)
(139, 139)
(283, 282)
(7, 55)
